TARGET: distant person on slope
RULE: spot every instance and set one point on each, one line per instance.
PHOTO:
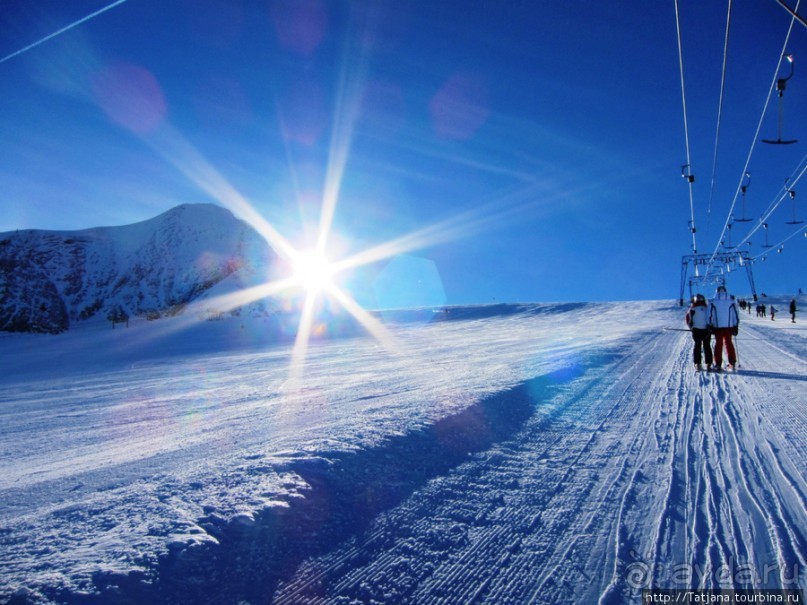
(697, 319)
(793, 310)
(773, 313)
(724, 321)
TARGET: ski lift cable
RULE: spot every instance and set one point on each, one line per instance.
(793, 12)
(686, 126)
(748, 162)
(719, 117)
(763, 221)
(781, 196)
(754, 142)
(781, 243)
(772, 207)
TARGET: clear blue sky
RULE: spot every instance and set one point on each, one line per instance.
(539, 143)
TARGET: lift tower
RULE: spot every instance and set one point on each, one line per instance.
(729, 259)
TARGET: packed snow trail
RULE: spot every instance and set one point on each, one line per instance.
(515, 454)
(638, 473)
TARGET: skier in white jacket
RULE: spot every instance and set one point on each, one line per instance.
(697, 318)
(724, 320)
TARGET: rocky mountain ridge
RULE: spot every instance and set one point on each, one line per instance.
(49, 279)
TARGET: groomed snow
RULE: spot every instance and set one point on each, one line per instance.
(497, 454)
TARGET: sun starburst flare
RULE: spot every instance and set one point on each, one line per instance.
(311, 271)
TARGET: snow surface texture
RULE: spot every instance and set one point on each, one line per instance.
(49, 279)
(548, 453)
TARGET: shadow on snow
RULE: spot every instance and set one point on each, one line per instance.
(473, 312)
(346, 491)
(779, 375)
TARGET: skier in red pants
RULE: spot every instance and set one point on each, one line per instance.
(724, 321)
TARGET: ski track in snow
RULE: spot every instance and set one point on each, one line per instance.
(526, 454)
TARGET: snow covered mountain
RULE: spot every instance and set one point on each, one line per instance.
(49, 279)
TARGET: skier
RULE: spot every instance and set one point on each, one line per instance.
(773, 313)
(724, 322)
(698, 322)
(793, 310)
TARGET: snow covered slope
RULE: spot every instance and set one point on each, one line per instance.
(548, 453)
(49, 279)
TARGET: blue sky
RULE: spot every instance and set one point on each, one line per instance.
(534, 148)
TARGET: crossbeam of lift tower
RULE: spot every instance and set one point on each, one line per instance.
(710, 270)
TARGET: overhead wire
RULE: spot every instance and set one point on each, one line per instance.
(711, 262)
(719, 117)
(793, 12)
(686, 128)
(777, 201)
(781, 243)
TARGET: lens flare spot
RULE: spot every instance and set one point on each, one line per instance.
(131, 96)
(303, 112)
(409, 281)
(460, 107)
(300, 25)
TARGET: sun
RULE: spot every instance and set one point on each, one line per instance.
(313, 271)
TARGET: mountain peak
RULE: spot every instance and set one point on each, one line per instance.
(49, 279)
(202, 209)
